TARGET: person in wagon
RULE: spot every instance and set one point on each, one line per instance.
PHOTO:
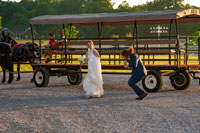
(138, 71)
(93, 82)
(62, 38)
(51, 41)
(62, 35)
(48, 47)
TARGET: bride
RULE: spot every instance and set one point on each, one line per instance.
(93, 82)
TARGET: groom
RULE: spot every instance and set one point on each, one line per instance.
(138, 71)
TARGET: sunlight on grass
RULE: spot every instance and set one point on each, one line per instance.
(147, 59)
(27, 67)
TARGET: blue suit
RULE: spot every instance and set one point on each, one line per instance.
(138, 73)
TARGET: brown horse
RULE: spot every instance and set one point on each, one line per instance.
(6, 61)
(23, 53)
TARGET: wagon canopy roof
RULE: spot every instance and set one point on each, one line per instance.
(122, 18)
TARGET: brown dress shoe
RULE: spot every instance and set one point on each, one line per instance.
(142, 96)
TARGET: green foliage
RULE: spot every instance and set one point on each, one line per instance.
(73, 32)
(165, 4)
(124, 7)
(22, 19)
(197, 33)
(98, 6)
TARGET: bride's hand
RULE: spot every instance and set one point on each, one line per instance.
(81, 63)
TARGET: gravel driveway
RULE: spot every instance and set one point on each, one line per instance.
(63, 108)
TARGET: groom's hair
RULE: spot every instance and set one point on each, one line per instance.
(127, 52)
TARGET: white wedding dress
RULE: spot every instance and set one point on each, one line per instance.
(93, 82)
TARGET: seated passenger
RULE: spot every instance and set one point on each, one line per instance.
(62, 38)
(51, 41)
(62, 35)
(47, 53)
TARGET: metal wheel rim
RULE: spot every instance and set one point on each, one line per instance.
(150, 81)
(180, 77)
(73, 78)
(39, 78)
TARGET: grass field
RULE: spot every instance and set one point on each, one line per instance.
(27, 67)
(193, 59)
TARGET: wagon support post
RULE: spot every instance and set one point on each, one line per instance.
(187, 42)
(178, 44)
(135, 35)
(69, 38)
(199, 53)
(99, 26)
(199, 50)
(40, 43)
(32, 37)
(170, 30)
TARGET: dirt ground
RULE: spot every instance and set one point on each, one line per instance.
(62, 108)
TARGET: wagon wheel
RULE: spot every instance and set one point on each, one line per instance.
(153, 82)
(41, 77)
(75, 79)
(181, 80)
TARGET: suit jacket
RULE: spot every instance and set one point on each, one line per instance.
(137, 66)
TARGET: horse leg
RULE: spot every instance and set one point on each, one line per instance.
(18, 72)
(10, 74)
(32, 80)
(4, 75)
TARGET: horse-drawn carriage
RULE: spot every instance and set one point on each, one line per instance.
(162, 56)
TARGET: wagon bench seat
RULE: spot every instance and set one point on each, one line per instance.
(129, 42)
(117, 52)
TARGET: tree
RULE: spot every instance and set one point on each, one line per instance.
(70, 6)
(165, 4)
(18, 19)
(124, 7)
(98, 6)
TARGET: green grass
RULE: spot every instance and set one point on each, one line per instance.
(44, 42)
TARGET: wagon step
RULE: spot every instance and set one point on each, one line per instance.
(196, 77)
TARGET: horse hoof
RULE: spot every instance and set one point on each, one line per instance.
(3, 81)
(9, 82)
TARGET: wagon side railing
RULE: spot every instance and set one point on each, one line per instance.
(148, 50)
